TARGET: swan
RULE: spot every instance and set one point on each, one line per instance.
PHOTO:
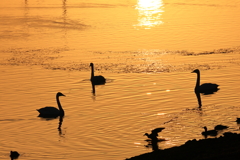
(96, 79)
(209, 133)
(206, 88)
(52, 111)
(154, 134)
(220, 127)
(14, 154)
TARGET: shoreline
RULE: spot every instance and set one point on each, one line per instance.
(224, 147)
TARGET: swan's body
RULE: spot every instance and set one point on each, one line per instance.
(220, 127)
(96, 80)
(52, 111)
(206, 88)
(209, 133)
(238, 120)
(154, 134)
(14, 154)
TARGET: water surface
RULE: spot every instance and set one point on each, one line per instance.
(145, 49)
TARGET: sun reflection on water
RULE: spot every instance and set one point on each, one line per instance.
(150, 12)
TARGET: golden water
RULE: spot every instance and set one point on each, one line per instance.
(145, 50)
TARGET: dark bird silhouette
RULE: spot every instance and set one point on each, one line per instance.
(14, 154)
(154, 134)
(96, 80)
(220, 127)
(52, 112)
(206, 88)
(209, 132)
(238, 120)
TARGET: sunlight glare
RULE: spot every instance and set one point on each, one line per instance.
(137, 143)
(161, 114)
(149, 13)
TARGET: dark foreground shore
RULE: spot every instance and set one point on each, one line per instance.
(226, 147)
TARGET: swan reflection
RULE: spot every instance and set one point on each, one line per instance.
(60, 125)
(64, 11)
(149, 13)
(153, 145)
(199, 99)
(93, 89)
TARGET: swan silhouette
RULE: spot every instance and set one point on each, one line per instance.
(209, 133)
(154, 134)
(206, 88)
(97, 80)
(238, 120)
(52, 112)
(14, 154)
(220, 127)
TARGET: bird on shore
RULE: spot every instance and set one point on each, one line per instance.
(14, 154)
(154, 133)
(238, 120)
(209, 132)
(220, 127)
(206, 88)
(52, 112)
(96, 80)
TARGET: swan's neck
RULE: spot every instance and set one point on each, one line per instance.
(198, 80)
(205, 129)
(59, 106)
(92, 71)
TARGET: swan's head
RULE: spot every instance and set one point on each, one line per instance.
(60, 94)
(205, 128)
(196, 71)
(91, 64)
(146, 134)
